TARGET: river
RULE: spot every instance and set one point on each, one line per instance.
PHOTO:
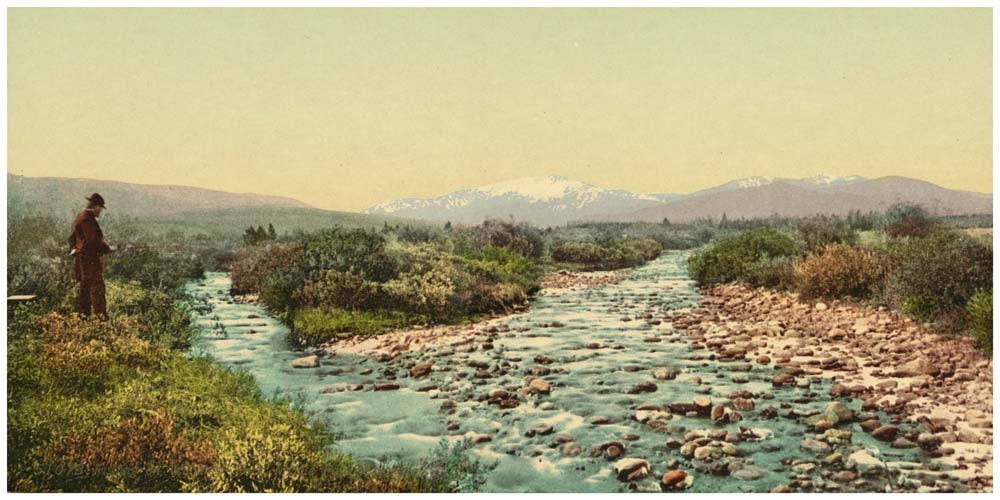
(598, 349)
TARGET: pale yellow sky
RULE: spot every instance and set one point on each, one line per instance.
(346, 108)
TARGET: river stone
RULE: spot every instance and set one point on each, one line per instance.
(815, 446)
(421, 370)
(885, 433)
(570, 449)
(674, 479)
(306, 362)
(843, 413)
(539, 386)
(631, 469)
(748, 473)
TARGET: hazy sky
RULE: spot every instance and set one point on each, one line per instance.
(346, 108)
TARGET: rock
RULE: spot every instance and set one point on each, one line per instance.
(781, 488)
(631, 469)
(783, 379)
(918, 366)
(386, 387)
(748, 473)
(570, 449)
(815, 446)
(820, 306)
(666, 373)
(610, 451)
(421, 370)
(539, 386)
(673, 478)
(902, 442)
(643, 387)
(843, 413)
(837, 435)
(306, 362)
(885, 433)
(870, 425)
(929, 441)
(743, 404)
(707, 452)
(836, 334)
(844, 476)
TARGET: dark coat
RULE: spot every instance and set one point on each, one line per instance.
(88, 241)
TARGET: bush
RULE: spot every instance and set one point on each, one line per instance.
(313, 327)
(580, 253)
(818, 234)
(431, 293)
(980, 311)
(89, 354)
(647, 248)
(333, 289)
(734, 258)
(162, 319)
(840, 270)
(907, 221)
(522, 239)
(778, 273)
(340, 249)
(253, 265)
(938, 274)
(152, 269)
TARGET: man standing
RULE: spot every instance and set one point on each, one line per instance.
(88, 266)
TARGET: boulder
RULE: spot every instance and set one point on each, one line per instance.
(885, 433)
(666, 373)
(631, 469)
(539, 386)
(421, 370)
(306, 362)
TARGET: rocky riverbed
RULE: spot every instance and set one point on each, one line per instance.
(624, 385)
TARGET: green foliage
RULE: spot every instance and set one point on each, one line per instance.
(522, 239)
(332, 289)
(496, 265)
(607, 252)
(903, 220)
(816, 234)
(841, 270)
(253, 265)
(315, 326)
(938, 274)
(580, 253)
(162, 319)
(980, 311)
(259, 235)
(735, 258)
(348, 249)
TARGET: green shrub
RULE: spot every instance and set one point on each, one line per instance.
(333, 289)
(496, 265)
(980, 311)
(734, 258)
(816, 234)
(162, 319)
(647, 248)
(938, 274)
(777, 273)
(580, 253)
(903, 220)
(340, 249)
(313, 327)
(431, 293)
(253, 265)
(152, 268)
(89, 354)
(840, 270)
(522, 239)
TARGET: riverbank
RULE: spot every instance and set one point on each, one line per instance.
(390, 344)
(941, 386)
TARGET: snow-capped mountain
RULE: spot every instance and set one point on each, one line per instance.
(546, 200)
(816, 181)
(554, 200)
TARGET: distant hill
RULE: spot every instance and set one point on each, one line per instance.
(182, 209)
(64, 197)
(230, 222)
(798, 199)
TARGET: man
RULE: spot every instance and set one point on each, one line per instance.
(88, 266)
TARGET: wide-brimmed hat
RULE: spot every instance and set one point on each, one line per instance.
(96, 199)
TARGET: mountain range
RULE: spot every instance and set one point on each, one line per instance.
(61, 196)
(546, 200)
(554, 200)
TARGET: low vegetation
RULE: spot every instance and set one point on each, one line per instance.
(930, 270)
(119, 406)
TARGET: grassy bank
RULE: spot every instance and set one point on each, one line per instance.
(98, 406)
